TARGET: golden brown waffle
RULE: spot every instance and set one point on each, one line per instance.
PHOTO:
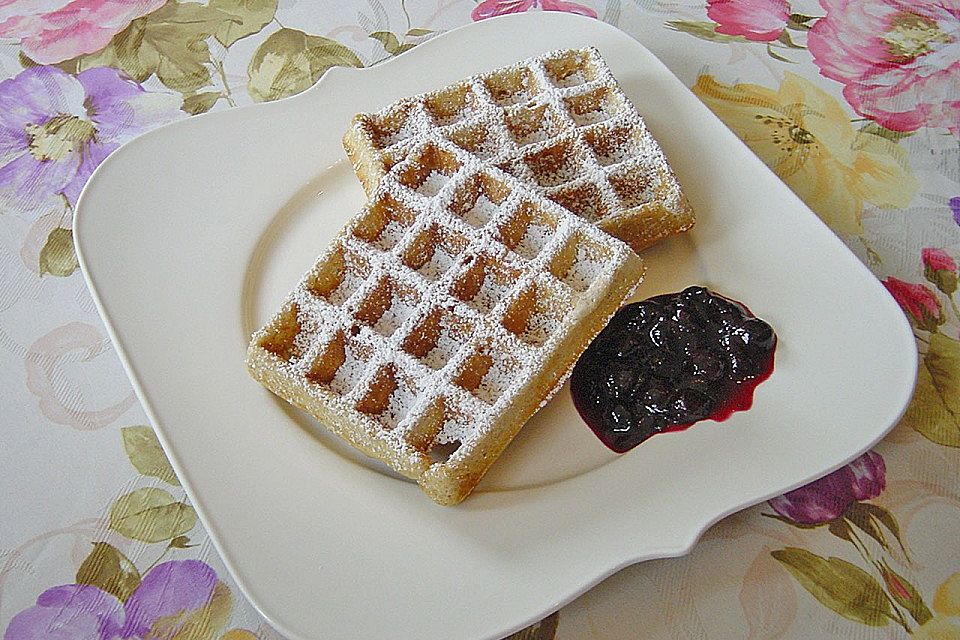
(559, 123)
(442, 317)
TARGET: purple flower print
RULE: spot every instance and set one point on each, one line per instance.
(169, 593)
(827, 498)
(56, 128)
(170, 588)
(73, 611)
(868, 475)
(955, 208)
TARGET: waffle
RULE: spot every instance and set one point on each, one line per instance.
(444, 314)
(559, 123)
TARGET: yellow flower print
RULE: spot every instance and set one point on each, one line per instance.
(805, 136)
(937, 628)
(945, 624)
(947, 598)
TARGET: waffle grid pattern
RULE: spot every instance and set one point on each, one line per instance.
(559, 123)
(429, 315)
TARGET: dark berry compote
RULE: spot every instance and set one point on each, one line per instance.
(668, 362)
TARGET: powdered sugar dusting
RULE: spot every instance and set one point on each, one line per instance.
(586, 102)
(447, 346)
(535, 136)
(349, 373)
(550, 171)
(407, 130)
(534, 240)
(481, 212)
(350, 283)
(401, 402)
(389, 236)
(592, 117)
(430, 350)
(574, 79)
(585, 269)
(400, 309)
(438, 264)
(497, 380)
(432, 185)
(491, 292)
(371, 330)
(456, 429)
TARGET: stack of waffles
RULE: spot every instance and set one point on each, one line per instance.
(456, 302)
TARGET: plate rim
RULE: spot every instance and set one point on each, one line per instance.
(682, 548)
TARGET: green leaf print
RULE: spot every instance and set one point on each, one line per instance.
(788, 42)
(204, 623)
(702, 30)
(839, 585)
(170, 42)
(151, 515)
(58, 257)
(905, 595)
(868, 517)
(798, 22)
(935, 409)
(25, 62)
(145, 454)
(390, 43)
(181, 542)
(883, 132)
(249, 17)
(859, 515)
(108, 569)
(290, 61)
(200, 102)
(388, 40)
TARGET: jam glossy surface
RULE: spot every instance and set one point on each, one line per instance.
(668, 362)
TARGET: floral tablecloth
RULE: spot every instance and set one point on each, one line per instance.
(854, 103)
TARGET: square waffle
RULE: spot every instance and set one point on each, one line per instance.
(559, 123)
(443, 316)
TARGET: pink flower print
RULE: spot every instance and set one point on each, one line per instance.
(56, 365)
(57, 30)
(940, 268)
(899, 60)
(938, 260)
(895, 585)
(493, 8)
(918, 302)
(758, 20)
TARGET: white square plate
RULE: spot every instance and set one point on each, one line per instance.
(190, 236)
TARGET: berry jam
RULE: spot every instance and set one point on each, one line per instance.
(665, 363)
